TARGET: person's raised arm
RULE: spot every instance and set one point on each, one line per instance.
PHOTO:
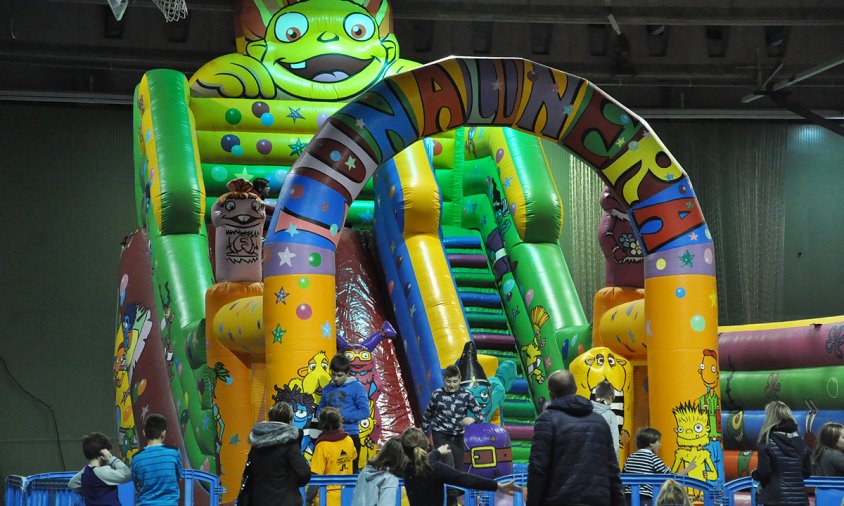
(75, 483)
(113, 471)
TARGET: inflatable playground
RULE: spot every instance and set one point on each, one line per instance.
(314, 194)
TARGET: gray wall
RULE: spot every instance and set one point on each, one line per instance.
(67, 202)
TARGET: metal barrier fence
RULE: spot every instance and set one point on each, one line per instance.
(50, 489)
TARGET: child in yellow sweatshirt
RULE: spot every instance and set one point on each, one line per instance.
(334, 453)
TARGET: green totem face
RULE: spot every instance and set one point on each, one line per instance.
(324, 50)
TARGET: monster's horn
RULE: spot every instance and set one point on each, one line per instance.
(371, 342)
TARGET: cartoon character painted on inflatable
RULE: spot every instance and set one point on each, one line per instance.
(238, 217)
(710, 402)
(533, 350)
(130, 341)
(360, 359)
(303, 404)
(599, 364)
(692, 442)
(314, 50)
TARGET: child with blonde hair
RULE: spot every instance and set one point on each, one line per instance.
(672, 494)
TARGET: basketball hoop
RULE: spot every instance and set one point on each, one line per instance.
(173, 10)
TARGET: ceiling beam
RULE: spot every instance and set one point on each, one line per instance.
(809, 13)
(822, 13)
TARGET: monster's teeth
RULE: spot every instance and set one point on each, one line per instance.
(298, 66)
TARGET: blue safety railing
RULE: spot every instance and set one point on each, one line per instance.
(829, 490)
(50, 489)
(706, 492)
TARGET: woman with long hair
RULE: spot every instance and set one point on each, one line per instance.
(783, 459)
(378, 482)
(828, 459)
(425, 476)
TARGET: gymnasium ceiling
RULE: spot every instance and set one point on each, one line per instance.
(696, 58)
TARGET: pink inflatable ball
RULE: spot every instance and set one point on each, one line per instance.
(238, 217)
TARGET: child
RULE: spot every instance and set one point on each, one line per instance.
(828, 459)
(604, 393)
(334, 453)
(157, 469)
(348, 396)
(424, 478)
(646, 461)
(783, 459)
(97, 482)
(450, 410)
(378, 482)
(672, 494)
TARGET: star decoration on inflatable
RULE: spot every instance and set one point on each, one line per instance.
(326, 330)
(350, 163)
(285, 257)
(281, 296)
(295, 114)
(686, 259)
(244, 174)
(234, 440)
(292, 230)
(278, 334)
(297, 147)
(713, 299)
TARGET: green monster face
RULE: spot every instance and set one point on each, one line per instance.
(324, 50)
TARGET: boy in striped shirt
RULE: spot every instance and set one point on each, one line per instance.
(646, 461)
(157, 469)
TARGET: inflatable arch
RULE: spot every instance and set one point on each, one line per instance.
(642, 175)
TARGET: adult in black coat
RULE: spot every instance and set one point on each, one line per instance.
(783, 459)
(276, 467)
(572, 460)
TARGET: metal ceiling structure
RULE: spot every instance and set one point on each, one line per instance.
(673, 58)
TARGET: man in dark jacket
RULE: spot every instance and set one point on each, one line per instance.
(572, 460)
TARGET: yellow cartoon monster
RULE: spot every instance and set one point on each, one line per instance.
(692, 440)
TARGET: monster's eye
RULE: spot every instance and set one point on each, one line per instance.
(350, 355)
(364, 355)
(291, 27)
(257, 206)
(364, 424)
(359, 26)
(698, 427)
(713, 368)
(484, 396)
(325, 365)
(600, 359)
(611, 360)
(680, 429)
(311, 366)
(702, 367)
(301, 413)
(230, 205)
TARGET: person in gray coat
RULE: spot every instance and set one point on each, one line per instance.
(603, 394)
(378, 482)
